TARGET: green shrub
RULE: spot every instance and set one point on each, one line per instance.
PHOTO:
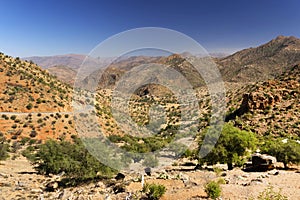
(69, 157)
(270, 194)
(154, 191)
(29, 106)
(3, 148)
(288, 152)
(213, 190)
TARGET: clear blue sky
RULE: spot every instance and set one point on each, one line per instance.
(51, 27)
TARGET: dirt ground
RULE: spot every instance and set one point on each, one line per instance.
(18, 180)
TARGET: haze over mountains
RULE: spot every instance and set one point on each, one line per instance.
(65, 67)
(249, 65)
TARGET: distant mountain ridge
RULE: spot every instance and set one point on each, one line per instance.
(249, 65)
(68, 64)
(71, 60)
(63, 73)
(263, 62)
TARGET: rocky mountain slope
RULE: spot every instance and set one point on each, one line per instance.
(33, 103)
(261, 63)
(271, 107)
(63, 73)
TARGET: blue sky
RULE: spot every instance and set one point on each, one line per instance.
(52, 27)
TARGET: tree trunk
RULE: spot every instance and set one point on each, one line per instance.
(230, 166)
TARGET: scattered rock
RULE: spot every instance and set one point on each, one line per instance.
(148, 171)
(36, 190)
(52, 186)
(120, 188)
(120, 176)
(223, 174)
(3, 175)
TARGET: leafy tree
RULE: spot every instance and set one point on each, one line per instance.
(286, 152)
(232, 145)
(69, 157)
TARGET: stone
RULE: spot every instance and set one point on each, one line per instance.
(120, 176)
(52, 186)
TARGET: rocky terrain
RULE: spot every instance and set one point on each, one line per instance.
(36, 106)
(18, 180)
(261, 63)
(269, 107)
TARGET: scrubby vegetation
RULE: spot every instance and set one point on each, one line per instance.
(3, 148)
(270, 194)
(231, 147)
(285, 150)
(72, 158)
(154, 191)
(213, 190)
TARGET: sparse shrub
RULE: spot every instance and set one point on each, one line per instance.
(270, 194)
(150, 161)
(29, 106)
(218, 170)
(33, 134)
(213, 190)
(3, 148)
(154, 191)
(221, 181)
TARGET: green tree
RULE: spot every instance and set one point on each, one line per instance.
(69, 157)
(288, 152)
(232, 145)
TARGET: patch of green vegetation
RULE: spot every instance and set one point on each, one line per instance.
(213, 189)
(72, 158)
(154, 191)
(4, 147)
(232, 145)
(270, 194)
(286, 152)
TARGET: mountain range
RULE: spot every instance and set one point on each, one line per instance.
(249, 65)
(262, 91)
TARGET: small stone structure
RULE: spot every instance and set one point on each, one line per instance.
(260, 162)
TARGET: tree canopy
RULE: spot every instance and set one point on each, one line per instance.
(287, 151)
(232, 145)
